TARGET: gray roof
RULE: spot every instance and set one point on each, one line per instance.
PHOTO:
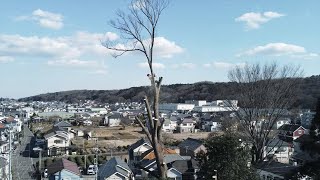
(63, 124)
(115, 116)
(55, 130)
(114, 165)
(278, 168)
(168, 158)
(289, 127)
(187, 120)
(278, 143)
(185, 165)
(190, 143)
(139, 143)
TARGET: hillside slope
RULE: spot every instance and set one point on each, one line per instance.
(309, 91)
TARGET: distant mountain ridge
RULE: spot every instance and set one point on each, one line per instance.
(307, 95)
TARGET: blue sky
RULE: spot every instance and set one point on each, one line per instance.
(49, 46)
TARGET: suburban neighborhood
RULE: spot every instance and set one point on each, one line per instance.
(159, 90)
(63, 146)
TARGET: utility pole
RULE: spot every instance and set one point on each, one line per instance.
(10, 152)
(85, 162)
(96, 161)
(40, 155)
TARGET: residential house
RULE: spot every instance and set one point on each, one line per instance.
(187, 168)
(279, 150)
(4, 146)
(281, 122)
(149, 162)
(63, 124)
(212, 124)
(57, 141)
(290, 132)
(13, 123)
(4, 168)
(63, 169)
(275, 170)
(113, 120)
(115, 169)
(3, 135)
(136, 150)
(190, 147)
(186, 125)
(87, 122)
(66, 126)
(169, 125)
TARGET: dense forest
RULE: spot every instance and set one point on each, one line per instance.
(308, 92)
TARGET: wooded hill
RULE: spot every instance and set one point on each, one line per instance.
(309, 91)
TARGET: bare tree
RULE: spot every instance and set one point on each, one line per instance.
(138, 29)
(265, 92)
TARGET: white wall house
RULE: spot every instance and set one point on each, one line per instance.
(282, 121)
(176, 107)
(280, 150)
(169, 125)
(174, 174)
(100, 111)
(113, 120)
(196, 102)
(136, 150)
(186, 125)
(212, 109)
(57, 142)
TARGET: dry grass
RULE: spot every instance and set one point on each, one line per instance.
(41, 126)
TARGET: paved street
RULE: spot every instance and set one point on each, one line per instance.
(22, 164)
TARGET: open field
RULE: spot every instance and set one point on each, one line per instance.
(116, 138)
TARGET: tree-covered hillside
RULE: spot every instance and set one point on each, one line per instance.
(309, 91)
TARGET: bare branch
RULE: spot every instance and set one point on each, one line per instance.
(144, 128)
(264, 92)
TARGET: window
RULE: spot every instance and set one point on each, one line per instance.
(299, 131)
(57, 141)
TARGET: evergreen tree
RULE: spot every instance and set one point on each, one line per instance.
(225, 158)
(315, 124)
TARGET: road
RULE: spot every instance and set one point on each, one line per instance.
(22, 163)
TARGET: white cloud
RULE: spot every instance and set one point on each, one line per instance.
(184, 66)
(155, 65)
(223, 65)
(162, 47)
(6, 59)
(68, 51)
(165, 48)
(68, 47)
(73, 63)
(16, 45)
(45, 19)
(95, 67)
(255, 20)
(279, 49)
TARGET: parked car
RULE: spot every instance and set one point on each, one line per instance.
(91, 170)
(45, 173)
